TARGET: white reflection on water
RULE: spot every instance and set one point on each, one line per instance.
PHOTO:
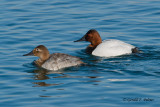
(119, 79)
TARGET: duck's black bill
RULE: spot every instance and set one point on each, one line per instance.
(82, 39)
(29, 54)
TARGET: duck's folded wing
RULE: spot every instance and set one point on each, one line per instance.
(60, 60)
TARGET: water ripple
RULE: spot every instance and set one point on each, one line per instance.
(101, 82)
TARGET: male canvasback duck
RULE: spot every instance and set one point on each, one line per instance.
(54, 61)
(107, 48)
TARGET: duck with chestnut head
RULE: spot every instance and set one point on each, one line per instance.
(106, 48)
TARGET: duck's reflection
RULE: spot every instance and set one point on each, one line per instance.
(39, 84)
(42, 74)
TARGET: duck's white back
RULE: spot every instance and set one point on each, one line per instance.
(111, 48)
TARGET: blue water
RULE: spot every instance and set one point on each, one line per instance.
(127, 81)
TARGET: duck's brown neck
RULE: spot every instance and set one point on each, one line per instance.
(94, 44)
(42, 59)
(39, 62)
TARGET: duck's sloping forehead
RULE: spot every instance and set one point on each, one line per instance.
(41, 47)
(91, 31)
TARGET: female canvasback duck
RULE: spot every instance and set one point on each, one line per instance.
(54, 61)
(107, 48)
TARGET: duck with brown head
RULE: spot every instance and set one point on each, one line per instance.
(53, 61)
(93, 37)
(41, 52)
(107, 48)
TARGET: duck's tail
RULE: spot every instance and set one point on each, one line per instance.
(136, 50)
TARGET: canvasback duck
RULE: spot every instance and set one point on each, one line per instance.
(107, 48)
(54, 61)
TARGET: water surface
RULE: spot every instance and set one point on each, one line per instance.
(130, 80)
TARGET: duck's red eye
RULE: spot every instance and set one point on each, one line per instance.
(88, 37)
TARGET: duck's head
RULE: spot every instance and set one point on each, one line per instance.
(91, 36)
(40, 51)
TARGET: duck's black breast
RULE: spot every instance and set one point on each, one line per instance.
(89, 50)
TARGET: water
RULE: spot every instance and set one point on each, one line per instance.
(131, 80)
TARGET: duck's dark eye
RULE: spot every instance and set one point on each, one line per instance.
(37, 50)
